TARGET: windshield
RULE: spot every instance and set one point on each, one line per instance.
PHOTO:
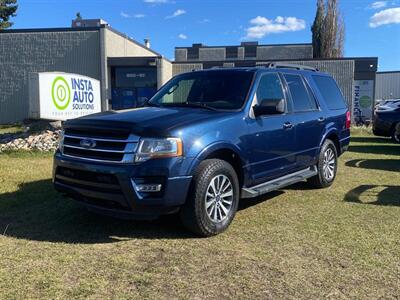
(212, 89)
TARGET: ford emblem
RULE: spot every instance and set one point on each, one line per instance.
(88, 143)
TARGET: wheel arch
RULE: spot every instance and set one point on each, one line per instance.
(332, 135)
(226, 152)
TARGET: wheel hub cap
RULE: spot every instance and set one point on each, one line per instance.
(219, 198)
(329, 164)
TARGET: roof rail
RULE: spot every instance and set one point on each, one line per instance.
(274, 65)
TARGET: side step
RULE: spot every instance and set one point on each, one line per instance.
(278, 183)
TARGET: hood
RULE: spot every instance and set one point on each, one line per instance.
(148, 121)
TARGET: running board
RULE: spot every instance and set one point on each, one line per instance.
(278, 183)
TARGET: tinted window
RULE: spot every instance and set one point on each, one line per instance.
(217, 89)
(270, 87)
(330, 91)
(301, 98)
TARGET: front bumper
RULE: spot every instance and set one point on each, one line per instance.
(110, 189)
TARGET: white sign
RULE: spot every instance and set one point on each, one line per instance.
(363, 100)
(67, 96)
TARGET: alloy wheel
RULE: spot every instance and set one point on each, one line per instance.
(219, 198)
(329, 164)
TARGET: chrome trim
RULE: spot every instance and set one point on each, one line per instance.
(131, 139)
(93, 149)
(128, 158)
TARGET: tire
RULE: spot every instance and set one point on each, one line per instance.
(326, 167)
(207, 211)
(396, 133)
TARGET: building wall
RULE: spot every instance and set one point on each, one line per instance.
(22, 53)
(164, 71)
(387, 85)
(118, 45)
(199, 52)
(284, 52)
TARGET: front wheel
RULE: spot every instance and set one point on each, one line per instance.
(327, 166)
(213, 198)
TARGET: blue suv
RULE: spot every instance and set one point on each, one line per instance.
(204, 141)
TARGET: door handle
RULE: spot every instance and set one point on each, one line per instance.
(321, 119)
(287, 125)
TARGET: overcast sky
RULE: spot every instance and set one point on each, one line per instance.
(372, 27)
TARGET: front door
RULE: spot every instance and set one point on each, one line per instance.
(272, 137)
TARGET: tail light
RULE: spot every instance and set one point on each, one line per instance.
(348, 120)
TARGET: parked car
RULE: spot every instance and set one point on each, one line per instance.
(387, 120)
(204, 141)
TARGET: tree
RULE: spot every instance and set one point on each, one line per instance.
(7, 10)
(328, 30)
(316, 29)
(78, 16)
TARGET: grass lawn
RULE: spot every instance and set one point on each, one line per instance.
(340, 242)
(11, 129)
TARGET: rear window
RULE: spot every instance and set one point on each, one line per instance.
(330, 91)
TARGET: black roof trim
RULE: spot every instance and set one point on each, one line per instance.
(54, 29)
(387, 72)
(273, 60)
(259, 45)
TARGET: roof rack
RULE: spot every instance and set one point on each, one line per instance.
(274, 65)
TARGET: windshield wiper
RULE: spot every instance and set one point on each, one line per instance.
(199, 104)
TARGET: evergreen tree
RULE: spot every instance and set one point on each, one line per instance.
(328, 30)
(316, 29)
(7, 10)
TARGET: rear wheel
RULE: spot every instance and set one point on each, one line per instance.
(396, 133)
(213, 199)
(327, 166)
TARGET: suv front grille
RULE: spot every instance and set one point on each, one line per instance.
(98, 144)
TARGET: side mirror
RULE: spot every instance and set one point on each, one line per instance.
(269, 107)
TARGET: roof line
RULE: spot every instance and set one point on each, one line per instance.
(53, 29)
(383, 72)
(134, 41)
(258, 45)
(270, 60)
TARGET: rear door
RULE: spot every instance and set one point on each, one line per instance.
(309, 119)
(271, 137)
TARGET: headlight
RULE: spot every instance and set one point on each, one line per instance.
(61, 141)
(158, 148)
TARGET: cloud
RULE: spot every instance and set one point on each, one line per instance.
(182, 36)
(156, 1)
(384, 17)
(377, 5)
(204, 21)
(128, 16)
(263, 26)
(177, 13)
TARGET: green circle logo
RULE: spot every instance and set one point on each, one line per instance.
(61, 93)
(365, 102)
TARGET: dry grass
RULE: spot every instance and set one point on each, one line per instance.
(341, 242)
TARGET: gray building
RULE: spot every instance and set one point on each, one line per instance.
(387, 85)
(91, 51)
(130, 72)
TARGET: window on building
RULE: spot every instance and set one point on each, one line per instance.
(330, 91)
(250, 51)
(193, 53)
(231, 52)
(302, 101)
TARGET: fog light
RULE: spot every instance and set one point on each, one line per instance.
(148, 188)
